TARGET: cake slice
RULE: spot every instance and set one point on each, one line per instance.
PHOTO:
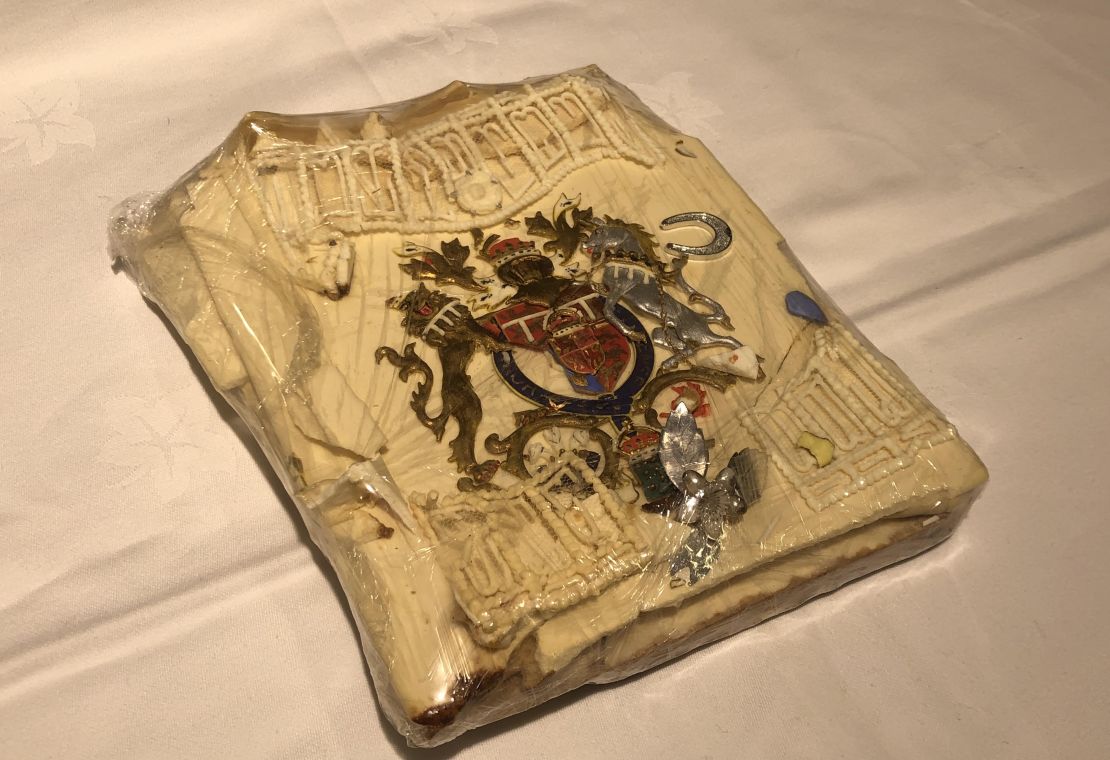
(550, 392)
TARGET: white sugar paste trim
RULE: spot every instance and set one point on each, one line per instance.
(502, 579)
(886, 439)
(422, 155)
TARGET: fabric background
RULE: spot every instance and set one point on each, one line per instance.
(942, 167)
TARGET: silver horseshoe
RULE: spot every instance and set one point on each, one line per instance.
(722, 234)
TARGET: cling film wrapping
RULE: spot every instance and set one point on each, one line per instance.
(549, 391)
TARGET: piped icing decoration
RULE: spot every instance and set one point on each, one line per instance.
(474, 167)
(478, 192)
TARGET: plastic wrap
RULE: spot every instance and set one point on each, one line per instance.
(549, 391)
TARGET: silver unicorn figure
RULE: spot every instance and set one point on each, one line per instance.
(633, 274)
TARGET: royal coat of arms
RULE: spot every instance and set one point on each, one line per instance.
(598, 302)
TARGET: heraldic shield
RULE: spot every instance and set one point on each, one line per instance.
(576, 334)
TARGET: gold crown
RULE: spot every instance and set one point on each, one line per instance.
(509, 249)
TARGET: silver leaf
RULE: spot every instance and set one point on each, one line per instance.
(682, 447)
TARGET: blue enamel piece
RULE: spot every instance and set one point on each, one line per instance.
(801, 305)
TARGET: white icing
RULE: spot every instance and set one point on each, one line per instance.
(876, 424)
(741, 361)
(473, 168)
(478, 192)
(518, 556)
(452, 587)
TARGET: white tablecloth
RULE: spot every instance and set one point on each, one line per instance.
(942, 168)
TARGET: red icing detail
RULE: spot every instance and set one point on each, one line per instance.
(691, 389)
(639, 440)
(575, 331)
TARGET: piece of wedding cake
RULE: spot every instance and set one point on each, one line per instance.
(550, 392)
